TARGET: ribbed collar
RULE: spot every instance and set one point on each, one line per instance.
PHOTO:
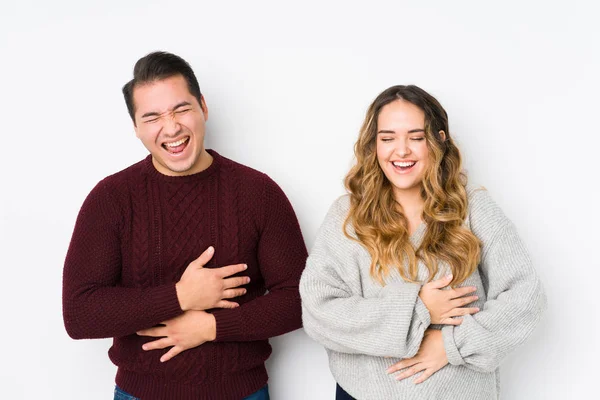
(151, 170)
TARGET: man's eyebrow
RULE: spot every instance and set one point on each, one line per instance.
(182, 104)
(156, 114)
(150, 114)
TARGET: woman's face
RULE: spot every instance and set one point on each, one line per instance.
(402, 150)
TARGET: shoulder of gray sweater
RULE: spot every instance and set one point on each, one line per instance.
(341, 206)
(485, 218)
(331, 239)
(336, 216)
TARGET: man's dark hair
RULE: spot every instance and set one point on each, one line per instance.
(157, 66)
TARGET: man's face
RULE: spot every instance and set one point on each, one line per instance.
(170, 123)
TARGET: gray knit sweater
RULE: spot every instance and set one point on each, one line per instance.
(366, 328)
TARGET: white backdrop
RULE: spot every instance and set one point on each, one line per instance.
(287, 86)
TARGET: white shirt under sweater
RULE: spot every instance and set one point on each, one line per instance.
(362, 324)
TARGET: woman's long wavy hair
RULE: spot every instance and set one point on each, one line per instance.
(378, 219)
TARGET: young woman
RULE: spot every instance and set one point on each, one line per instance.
(418, 285)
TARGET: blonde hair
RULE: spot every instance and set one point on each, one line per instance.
(378, 220)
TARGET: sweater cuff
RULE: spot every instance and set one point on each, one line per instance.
(452, 352)
(406, 293)
(422, 312)
(166, 303)
(228, 325)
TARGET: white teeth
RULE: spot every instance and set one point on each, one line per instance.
(404, 164)
(177, 143)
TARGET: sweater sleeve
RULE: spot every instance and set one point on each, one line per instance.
(515, 299)
(94, 303)
(281, 257)
(336, 314)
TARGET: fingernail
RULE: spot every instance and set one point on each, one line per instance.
(248, 279)
(477, 308)
(389, 370)
(211, 249)
(144, 347)
(245, 266)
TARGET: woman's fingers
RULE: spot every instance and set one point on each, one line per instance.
(463, 301)
(401, 365)
(439, 283)
(451, 321)
(461, 291)
(410, 371)
(459, 312)
(426, 374)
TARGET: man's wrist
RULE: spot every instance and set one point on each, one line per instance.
(212, 331)
(181, 297)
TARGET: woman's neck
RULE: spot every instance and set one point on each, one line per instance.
(412, 207)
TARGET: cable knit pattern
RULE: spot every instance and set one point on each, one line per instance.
(136, 233)
(366, 328)
(141, 234)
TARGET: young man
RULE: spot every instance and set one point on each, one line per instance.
(172, 256)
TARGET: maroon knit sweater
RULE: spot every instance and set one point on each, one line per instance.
(136, 233)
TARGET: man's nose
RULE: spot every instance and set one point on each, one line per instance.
(171, 126)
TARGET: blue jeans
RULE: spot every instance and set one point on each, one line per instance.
(262, 394)
(341, 394)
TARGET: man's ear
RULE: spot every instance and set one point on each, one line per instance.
(204, 107)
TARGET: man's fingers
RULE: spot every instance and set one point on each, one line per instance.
(157, 331)
(410, 372)
(461, 291)
(204, 257)
(231, 293)
(226, 304)
(424, 376)
(171, 353)
(463, 301)
(235, 282)
(440, 283)
(158, 344)
(231, 270)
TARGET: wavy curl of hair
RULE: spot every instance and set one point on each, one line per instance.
(377, 218)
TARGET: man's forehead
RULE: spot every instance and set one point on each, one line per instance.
(163, 93)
